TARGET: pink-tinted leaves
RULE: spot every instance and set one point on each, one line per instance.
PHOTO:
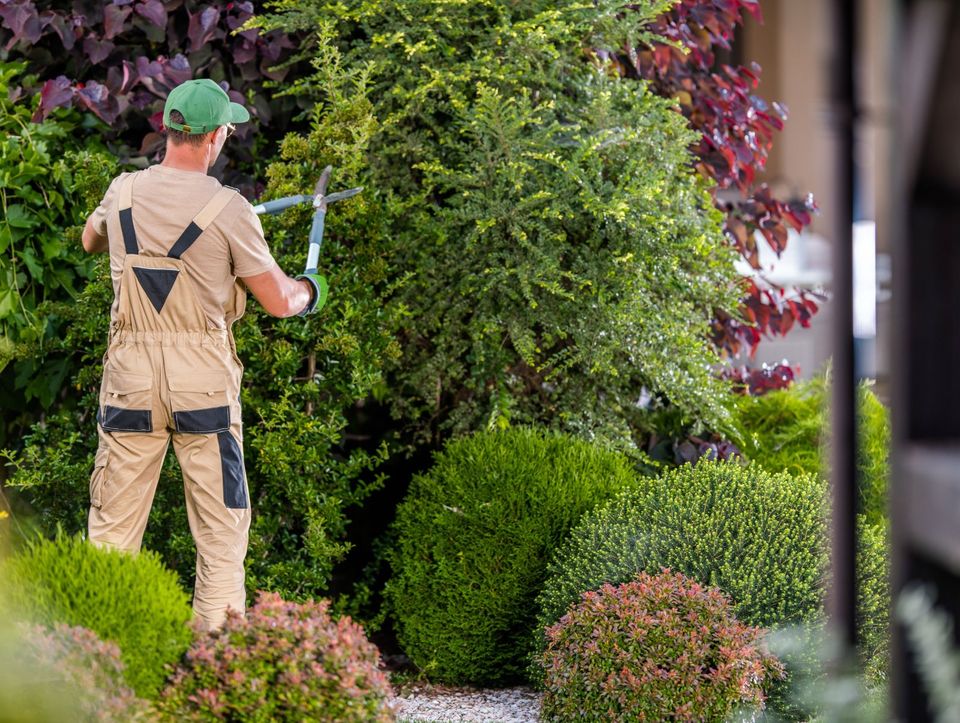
(55, 93)
(96, 98)
(153, 11)
(23, 20)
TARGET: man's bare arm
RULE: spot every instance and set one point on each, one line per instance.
(92, 241)
(278, 293)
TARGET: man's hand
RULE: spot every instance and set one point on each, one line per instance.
(319, 296)
(279, 294)
(93, 242)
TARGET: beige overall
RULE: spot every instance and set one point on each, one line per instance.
(166, 375)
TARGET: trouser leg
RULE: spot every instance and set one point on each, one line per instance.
(218, 511)
(122, 487)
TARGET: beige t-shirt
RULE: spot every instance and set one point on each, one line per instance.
(165, 200)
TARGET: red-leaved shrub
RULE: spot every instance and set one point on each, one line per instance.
(85, 668)
(283, 661)
(661, 647)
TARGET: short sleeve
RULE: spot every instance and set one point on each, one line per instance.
(98, 218)
(249, 253)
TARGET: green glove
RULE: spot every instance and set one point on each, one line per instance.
(319, 296)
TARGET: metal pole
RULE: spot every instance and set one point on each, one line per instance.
(843, 472)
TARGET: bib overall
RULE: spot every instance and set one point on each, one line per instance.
(166, 375)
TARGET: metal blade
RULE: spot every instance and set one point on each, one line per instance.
(340, 195)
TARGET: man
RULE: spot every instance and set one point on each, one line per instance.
(178, 242)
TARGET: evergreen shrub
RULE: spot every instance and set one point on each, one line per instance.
(133, 601)
(660, 647)
(283, 661)
(474, 536)
(789, 430)
(758, 536)
(873, 598)
(74, 661)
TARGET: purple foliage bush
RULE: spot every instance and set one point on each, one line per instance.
(661, 647)
(90, 668)
(284, 661)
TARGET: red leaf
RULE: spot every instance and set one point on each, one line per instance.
(55, 93)
(97, 50)
(114, 20)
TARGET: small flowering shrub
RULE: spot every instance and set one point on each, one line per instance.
(89, 667)
(658, 648)
(282, 662)
(131, 600)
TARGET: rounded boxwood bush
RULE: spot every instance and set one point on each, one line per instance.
(130, 600)
(658, 648)
(474, 536)
(281, 662)
(758, 536)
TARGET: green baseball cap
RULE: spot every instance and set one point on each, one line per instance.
(205, 106)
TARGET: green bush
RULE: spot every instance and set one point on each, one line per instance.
(132, 601)
(759, 537)
(789, 430)
(281, 662)
(873, 599)
(659, 647)
(474, 535)
(558, 249)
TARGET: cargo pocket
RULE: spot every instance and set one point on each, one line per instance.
(127, 402)
(98, 478)
(199, 403)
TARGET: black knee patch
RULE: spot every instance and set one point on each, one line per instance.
(234, 478)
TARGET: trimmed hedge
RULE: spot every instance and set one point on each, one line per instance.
(131, 600)
(660, 647)
(474, 536)
(873, 598)
(757, 536)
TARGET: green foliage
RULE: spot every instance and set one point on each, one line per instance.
(474, 535)
(301, 379)
(873, 599)
(789, 430)
(133, 601)
(281, 662)
(759, 537)
(560, 252)
(659, 647)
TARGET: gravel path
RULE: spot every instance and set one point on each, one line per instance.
(420, 702)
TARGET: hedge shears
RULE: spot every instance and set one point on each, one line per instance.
(321, 200)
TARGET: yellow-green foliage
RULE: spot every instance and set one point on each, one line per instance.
(474, 536)
(132, 601)
(789, 430)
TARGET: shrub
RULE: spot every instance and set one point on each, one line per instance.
(548, 276)
(88, 668)
(759, 537)
(873, 599)
(282, 662)
(474, 534)
(660, 647)
(789, 430)
(132, 601)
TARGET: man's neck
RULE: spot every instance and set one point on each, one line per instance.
(185, 158)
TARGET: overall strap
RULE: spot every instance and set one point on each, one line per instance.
(200, 222)
(125, 206)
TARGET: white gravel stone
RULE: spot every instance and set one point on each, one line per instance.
(421, 702)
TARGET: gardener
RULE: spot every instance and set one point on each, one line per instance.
(178, 241)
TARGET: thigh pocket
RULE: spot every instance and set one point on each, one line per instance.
(199, 402)
(127, 402)
(98, 478)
